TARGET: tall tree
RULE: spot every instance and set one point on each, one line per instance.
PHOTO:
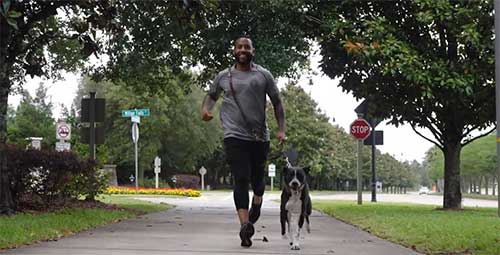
(33, 118)
(426, 63)
(37, 42)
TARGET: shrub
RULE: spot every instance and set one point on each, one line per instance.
(151, 183)
(187, 181)
(40, 178)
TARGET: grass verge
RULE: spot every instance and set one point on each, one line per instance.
(423, 228)
(469, 195)
(27, 228)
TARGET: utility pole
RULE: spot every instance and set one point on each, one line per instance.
(497, 91)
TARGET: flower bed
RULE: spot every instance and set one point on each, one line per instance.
(148, 191)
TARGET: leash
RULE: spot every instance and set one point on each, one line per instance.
(280, 153)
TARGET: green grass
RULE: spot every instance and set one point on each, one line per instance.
(126, 202)
(26, 228)
(475, 196)
(422, 227)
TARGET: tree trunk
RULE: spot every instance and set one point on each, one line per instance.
(493, 187)
(470, 186)
(452, 195)
(486, 183)
(7, 205)
(480, 184)
(474, 186)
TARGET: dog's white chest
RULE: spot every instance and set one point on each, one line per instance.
(294, 204)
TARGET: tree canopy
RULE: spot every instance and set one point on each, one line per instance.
(427, 63)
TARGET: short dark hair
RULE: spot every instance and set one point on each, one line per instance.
(241, 37)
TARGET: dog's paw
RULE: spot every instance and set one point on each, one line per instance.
(295, 247)
(308, 228)
(284, 237)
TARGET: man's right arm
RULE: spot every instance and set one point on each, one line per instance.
(210, 99)
(207, 106)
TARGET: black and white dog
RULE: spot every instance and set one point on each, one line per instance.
(295, 204)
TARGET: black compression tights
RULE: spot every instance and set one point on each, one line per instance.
(247, 160)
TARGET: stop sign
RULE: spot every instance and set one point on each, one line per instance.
(360, 129)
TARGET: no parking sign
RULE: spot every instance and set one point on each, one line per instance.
(63, 131)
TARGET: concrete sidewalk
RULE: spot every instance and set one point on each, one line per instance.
(208, 225)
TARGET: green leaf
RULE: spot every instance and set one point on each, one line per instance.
(13, 23)
(14, 14)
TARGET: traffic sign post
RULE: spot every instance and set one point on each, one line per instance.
(135, 139)
(135, 117)
(360, 129)
(203, 171)
(362, 111)
(63, 133)
(272, 173)
(157, 168)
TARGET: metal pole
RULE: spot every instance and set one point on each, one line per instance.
(92, 126)
(360, 196)
(497, 91)
(136, 164)
(374, 178)
(156, 182)
(202, 182)
(272, 183)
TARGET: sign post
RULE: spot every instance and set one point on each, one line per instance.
(272, 173)
(360, 129)
(157, 169)
(203, 171)
(135, 139)
(63, 133)
(135, 117)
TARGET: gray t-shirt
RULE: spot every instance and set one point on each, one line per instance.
(251, 88)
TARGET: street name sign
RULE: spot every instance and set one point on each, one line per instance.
(135, 112)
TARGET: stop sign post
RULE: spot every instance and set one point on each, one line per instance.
(360, 129)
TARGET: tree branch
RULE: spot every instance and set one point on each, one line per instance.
(469, 130)
(41, 38)
(47, 10)
(428, 139)
(435, 131)
(479, 136)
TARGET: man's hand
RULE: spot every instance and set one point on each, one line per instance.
(281, 137)
(206, 116)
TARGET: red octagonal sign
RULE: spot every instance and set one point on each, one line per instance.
(360, 129)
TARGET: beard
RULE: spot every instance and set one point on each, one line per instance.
(246, 60)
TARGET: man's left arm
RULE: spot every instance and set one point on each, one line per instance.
(279, 113)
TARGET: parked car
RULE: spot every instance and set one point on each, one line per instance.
(423, 190)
